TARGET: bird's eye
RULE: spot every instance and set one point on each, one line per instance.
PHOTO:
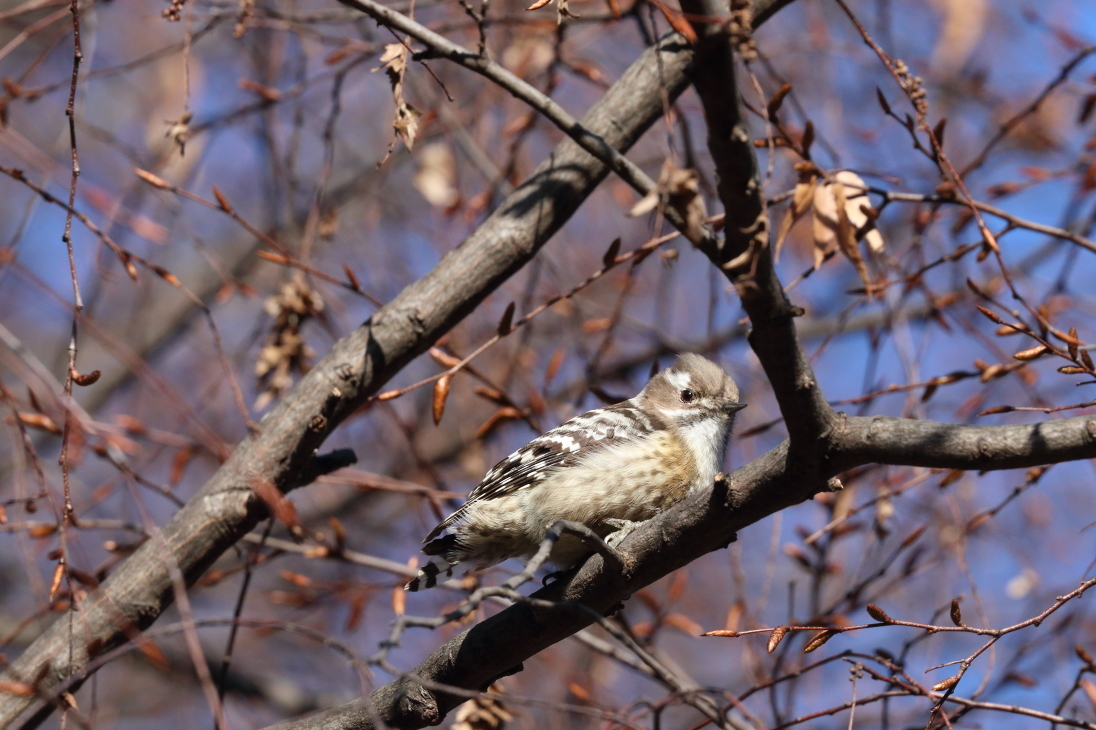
(687, 396)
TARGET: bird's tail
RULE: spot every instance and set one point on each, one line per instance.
(438, 568)
(447, 560)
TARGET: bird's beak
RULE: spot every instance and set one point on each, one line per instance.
(734, 407)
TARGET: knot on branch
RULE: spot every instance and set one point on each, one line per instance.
(418, 703)
(324, 464)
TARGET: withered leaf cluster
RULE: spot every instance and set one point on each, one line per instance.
(284, 351)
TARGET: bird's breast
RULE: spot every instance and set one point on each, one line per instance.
(630, 481)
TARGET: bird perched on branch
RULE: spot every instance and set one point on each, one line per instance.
(606, 469)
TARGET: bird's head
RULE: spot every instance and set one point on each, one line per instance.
(692, 389)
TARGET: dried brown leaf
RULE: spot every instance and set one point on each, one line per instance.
(807, 139)
(802, 198)
(963, 24)
(956, 612)
(1072, 344)
(1089, 690)
(222, 200)
(678, 22)
(280, 507)
(777, 100)
(492, 394)
(840, 218)
(644, 205)
(264, 92)
(351, 279)
(297, 579)
(443, 358)
(797, 554)
(436, 177)
(128, 265)
(507, 321)
(1031, 353)
(153, 180)
(819, 639)
(441, 393)
(406, 123)
(86, 379)
(58, 573)
(40, 421)
(19, 689)
(938, 130)
(883, 101)
(357, 611)
(946, 684)
(399, 600)
(339, 532)
(554, 364)
(993, 317)
(997, 409)
(40, 531)
(776, 636)
(683, 623)
(951, 477)
(498, 418)
(166, 275)
(877, 613)
(610, 255)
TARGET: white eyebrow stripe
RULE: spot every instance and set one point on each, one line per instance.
(678, 379)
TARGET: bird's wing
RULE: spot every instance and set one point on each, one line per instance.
(561, 447)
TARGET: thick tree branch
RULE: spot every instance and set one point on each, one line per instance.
(707, 521)
(908, 442)
(227, 508)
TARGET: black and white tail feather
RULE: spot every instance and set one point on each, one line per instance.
(445, 563)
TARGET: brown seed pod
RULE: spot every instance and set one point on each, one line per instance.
(877, 613)
(776, 636)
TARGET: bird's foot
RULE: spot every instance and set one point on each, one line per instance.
(613, 559)
(623, 529)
